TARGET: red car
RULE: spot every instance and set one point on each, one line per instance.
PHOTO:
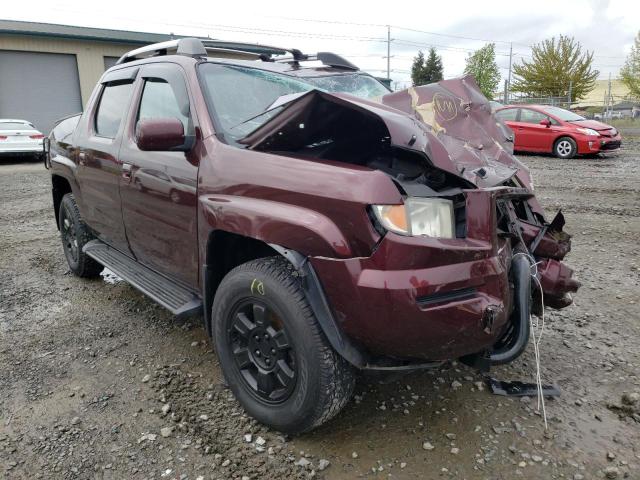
(541, 128)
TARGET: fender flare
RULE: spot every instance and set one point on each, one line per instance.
(321, 309)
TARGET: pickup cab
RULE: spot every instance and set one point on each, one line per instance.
(321, 224)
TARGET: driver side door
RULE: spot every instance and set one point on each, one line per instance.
(158, 189)
(534, 136)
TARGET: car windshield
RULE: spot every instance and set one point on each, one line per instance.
(357, 84)
(242, 97)
(563, 114)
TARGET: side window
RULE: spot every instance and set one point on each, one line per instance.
(531, 116)
(159, 101)
(113, 105)
(508, 115)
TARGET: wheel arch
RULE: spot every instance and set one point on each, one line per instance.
(60, 186)
(563, 135)
(226, 250)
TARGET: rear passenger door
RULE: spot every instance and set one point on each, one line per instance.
(98, 138)
(159, 192)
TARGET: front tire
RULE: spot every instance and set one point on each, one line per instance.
(75, 235)
(274, 355)
(565, 147)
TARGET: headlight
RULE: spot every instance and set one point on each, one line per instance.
(418, 216)
(588, 131)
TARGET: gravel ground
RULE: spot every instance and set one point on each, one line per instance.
(98, 382)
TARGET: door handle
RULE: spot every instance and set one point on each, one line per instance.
(126, 171)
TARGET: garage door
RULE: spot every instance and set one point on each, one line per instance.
(110, 62)
(39, 87)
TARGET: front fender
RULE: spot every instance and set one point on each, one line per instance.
(291, 226)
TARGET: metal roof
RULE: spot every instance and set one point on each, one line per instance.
(16, 27)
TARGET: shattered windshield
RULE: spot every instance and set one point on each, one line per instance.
(356, 84)
(242, 97)
(245, 98)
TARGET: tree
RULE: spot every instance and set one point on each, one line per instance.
(630, 72)
(433, 67)
(482, 65)
(417, 68)
(426, 71)
(557, 69)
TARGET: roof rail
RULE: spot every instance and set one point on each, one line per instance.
(191, 47)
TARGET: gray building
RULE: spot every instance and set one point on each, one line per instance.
(49, 71)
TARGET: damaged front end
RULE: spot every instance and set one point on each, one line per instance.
(438, 141)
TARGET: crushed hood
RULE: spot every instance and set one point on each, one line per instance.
(449, 121)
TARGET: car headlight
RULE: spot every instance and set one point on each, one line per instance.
(418, 216)
(588, 131)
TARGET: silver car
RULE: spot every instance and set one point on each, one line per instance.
(19, 137)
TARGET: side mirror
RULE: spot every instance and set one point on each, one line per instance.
(160, 134)
(546, 122)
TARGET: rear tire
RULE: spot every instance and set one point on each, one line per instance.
(274, 355)
(75, 235)
(565, 147)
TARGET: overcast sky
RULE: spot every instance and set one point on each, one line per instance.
(358, 29)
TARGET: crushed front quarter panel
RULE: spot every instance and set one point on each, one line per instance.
(450, 125)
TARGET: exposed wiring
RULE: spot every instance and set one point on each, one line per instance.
(537, 330)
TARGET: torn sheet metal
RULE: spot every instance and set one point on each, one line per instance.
(449, 121)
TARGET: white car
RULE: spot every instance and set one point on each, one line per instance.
(20, 137)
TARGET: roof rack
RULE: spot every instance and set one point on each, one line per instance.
(197, 47)
(327, 58)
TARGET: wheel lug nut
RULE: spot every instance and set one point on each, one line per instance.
(273, 350)
(268, 361)
(266, 336)
(258, 353)
(256, 338)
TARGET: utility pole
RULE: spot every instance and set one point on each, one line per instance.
(609, 99)
(508, 85)
(388, 51)
(569, 97)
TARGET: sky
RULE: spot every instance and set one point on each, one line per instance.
(358, 30)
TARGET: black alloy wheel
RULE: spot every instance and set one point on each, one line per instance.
(262, 351)
(68, 232)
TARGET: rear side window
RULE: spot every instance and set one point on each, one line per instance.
(159, 101)
(508, 115)
(113, 105)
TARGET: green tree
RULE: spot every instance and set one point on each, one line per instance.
(482, 65)
(630, 72)
(557, 68)
(417, 68)
(433, 67)
(427, 70)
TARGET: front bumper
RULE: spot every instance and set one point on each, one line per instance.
(426, 298)
(436, 313)
(439, 299)
(599, 144)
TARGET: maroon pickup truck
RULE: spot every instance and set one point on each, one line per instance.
(322, 224)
